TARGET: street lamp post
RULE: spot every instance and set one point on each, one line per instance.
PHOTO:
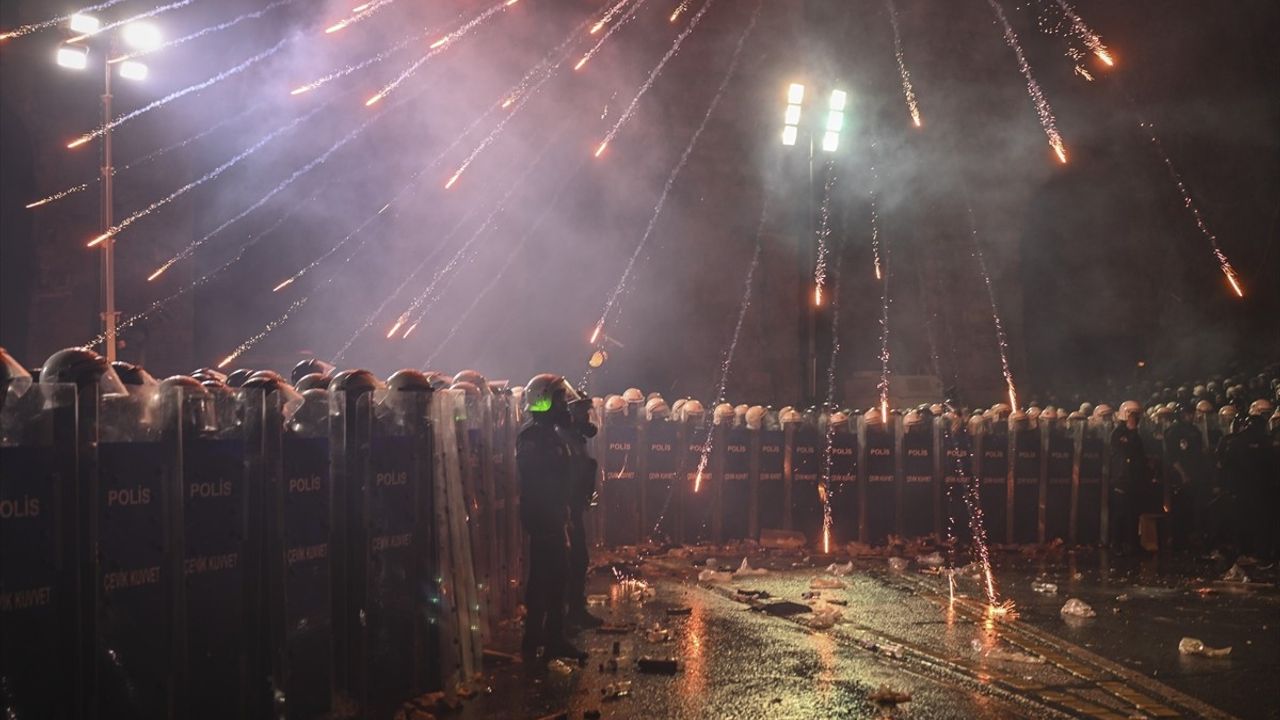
(75, 55)
(810, 301)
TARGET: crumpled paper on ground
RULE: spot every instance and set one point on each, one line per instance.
(1195, 646)
(825, 583)
(840, 570)
(715, 576)
(1076, 607)
(745, 570)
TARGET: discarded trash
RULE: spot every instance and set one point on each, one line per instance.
(824, 616)
(616, 690)
(824, 583)
(898, 564)
(885, 696)
(1235, 574)
(611, 629)
(890, 649)
(597, 599)
(715, 576)
(1077, 608)
(1045, 588)
(657, 666)
(560, 667)
(678, 611)
(933, 559)
(745, 570)
(840, 570)
(783, 539)
(657, 635)
(784, 608)
(1122, 597)
(841, 603)
(1194, 646)
(754, 594)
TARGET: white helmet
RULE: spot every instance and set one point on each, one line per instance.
(692, 409)
(1227, 413)
(1102, 411)
(724, 414)
(1086, 408)
(977, 423)
(790, 415)
(615, 404)
(740, 413)
(633, 396)
(1204, 407)
(1001, 409)
(1261, 406)
(912, 418)
(656, 409)
(1126, 408)
(872, 417)
(754, 417)
(936, 409)
(838, 419)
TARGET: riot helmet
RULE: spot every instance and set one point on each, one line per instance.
(308, 367)
(14, 379)
(83, 368)
(548, 396)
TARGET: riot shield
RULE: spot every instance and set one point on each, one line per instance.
(808, 449)
(993, 477)
(304, 516)
(957, 473)
(771, 495)
(1027, 465)
(215, 598)
(1058, 485)
(736, 488)
(38, 640)
(696, 487)
(661, 465)
(879, 509)
(477, 480)
(136, 518)
(506, 503)
(843, 488)
(620, 487)
(1089, 494)
(918, 481)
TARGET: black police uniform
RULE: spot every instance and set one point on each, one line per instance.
(582, 487)
(543, 462)
(1185, 476)
(1128, 468)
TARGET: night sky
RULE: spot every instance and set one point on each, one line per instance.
(1095, 264)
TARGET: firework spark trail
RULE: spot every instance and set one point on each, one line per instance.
(907, 91)
(267, 329)
(361, 13)
(316, 161)
(368, 321)
(828, 457)
(511, 256)
(180, 93)
(675, 172)
(144, 159)
(726, 365)
(115, 230)
(684, 5)
(428, 297)
(140, 16)
(331, 251)
(653, 75)
(1090, 38)
(33, 27)
(626, 18)
(438, 47)
(824, 233)
(343, 72)
(885, 300)
(1001, 339)
(160, 304)
(1043, 110)
(205, 31)
(1223, 263)
(608, 15)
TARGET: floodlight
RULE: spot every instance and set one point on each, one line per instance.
(85, 24)
(795, 94)
(835, 121)
(133, 70)
(830, 141)
(792, 117)
(141, 36)
(75, 57)
(838, 98)
(789, 135)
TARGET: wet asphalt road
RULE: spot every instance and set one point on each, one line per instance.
(900, 631)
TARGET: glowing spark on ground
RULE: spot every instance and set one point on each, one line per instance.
(140, 16)
(679, 166)
(1087, 36)
(212, 174)
(205, 31)
(51, 22)
(1043, 110)
(1001, 339)
(653, 75)
(907, 91)
(184, 91)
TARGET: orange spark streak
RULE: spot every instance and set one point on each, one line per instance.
(580, 63)
(439, 42)
(596, 335)
(600, 149)
(79, 141)
(160, 271)
(395, 327)
(372, 100)
(282, 285)
(98, 240)
(37, 203)
(336, 27)
(227, 361)
(453, 180)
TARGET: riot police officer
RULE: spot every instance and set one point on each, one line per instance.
(1128, 479)
(543, 460)
(1185, 475)
(582, 490)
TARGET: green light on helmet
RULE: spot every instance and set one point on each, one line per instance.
(542, 404)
